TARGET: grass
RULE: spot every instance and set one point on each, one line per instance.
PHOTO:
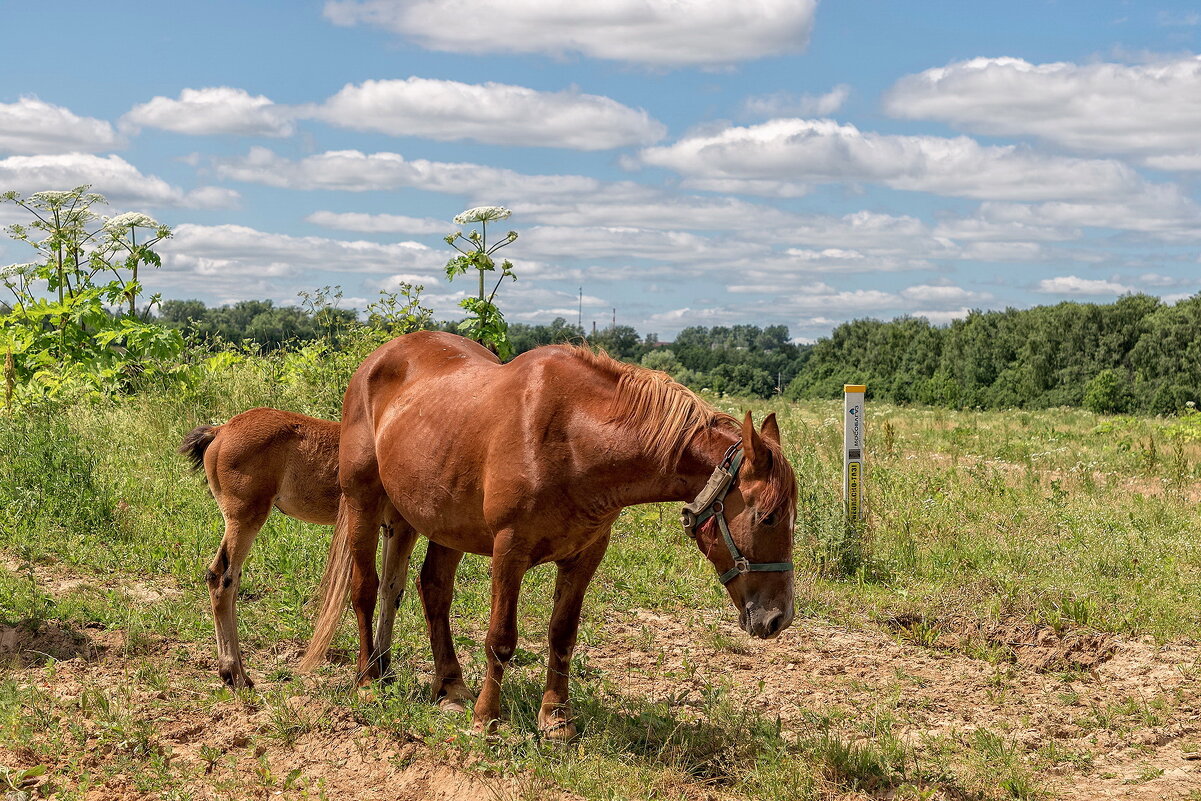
(1055, 518)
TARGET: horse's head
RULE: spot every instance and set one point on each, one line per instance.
(746, 529)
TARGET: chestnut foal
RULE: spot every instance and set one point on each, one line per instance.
(263, 458)
(531, 462)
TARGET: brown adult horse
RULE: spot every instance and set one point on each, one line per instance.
(531, 462)
(266, 458)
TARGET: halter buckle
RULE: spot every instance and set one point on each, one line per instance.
(742, 565)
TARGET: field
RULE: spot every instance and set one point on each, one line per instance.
(1021, 622)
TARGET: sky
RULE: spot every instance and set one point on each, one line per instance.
(676, 162)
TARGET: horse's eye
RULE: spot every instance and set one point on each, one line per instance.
(769, 520)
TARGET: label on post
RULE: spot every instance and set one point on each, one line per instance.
(852, 462)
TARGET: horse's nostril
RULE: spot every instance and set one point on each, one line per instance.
(773, 623)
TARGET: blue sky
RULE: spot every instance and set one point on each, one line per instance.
(683, 161)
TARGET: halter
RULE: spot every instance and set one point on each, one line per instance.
(710, 503)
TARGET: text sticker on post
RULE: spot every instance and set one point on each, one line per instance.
(852, 461)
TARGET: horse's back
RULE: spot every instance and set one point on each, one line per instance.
(265, 455)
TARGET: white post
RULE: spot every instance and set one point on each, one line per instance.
(852, 457)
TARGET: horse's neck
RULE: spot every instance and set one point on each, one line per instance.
(684, 480)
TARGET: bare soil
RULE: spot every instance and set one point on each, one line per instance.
(1099, 716)
(1148, 752)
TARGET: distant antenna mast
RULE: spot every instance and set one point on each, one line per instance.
(614, 319)
(580, 320)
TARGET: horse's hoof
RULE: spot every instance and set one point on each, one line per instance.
(452, 706)
(236, 679)
(486, 728)
(558, 731)
(454, 698)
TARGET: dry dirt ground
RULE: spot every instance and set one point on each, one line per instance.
(1101, 717)
(1126, 714)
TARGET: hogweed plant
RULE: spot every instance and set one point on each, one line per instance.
(487, 326)
(66, 322)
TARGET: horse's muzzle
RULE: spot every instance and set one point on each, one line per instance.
(766, 624)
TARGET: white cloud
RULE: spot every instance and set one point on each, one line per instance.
(796, 152)
(1074, 285)
(655, 32)
(1152, 111)
(786, 104)
(213, 110)
(627, 205)
(111, 176)
(942, 294)
(354, 171)
(495, 113)
(235, 251)
(32, 127)
(979, 229)
(631, 243)
(1159, 211)
(379, 223)
(1155, 279)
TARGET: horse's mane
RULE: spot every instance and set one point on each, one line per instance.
(666, 415)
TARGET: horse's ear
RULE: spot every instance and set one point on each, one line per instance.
(771, 430)
(752, 444)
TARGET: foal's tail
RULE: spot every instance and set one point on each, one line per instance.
(197, 442)
(331, 595)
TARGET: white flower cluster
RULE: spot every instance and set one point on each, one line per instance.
(482, 214)
(51, 197)
(130, 219)
(13, 270)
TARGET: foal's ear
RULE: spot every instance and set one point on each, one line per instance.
(752, 444)
(771, 430)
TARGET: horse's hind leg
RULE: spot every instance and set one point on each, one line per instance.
(436, 586)
(224, 576)
(399, 539)
(363, 537)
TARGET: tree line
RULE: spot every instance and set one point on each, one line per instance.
(1137, 354)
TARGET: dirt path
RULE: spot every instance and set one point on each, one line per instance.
(1112, 718)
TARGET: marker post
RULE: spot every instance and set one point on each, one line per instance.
(854, 427)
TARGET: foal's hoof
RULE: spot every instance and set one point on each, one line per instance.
(558, 731)
(235, 678)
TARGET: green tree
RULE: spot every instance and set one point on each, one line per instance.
(1108, 393)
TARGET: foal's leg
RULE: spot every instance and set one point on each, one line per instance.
(436, 586)
(399, 538)
(508, 568)
(554, 718)
(224, 576)
(362, 539)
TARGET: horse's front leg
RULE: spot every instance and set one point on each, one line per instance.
(554, 717)
(509, 565)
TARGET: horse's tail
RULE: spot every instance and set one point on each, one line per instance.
(197, 442)
(331, 595)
